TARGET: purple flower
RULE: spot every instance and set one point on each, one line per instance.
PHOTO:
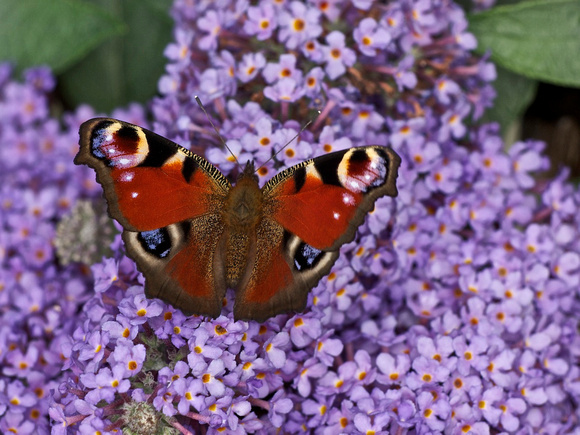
(180, 370)
(201, 349)
(330, 143)
(314, 81)
(18, 397)
(445, 89)
(304, 330)
(23, 102)
(214, 84)
(313, 50)
(445, 178)
(499, 368)
(331, 9)
(105, 274)
(364, 424)
(226, 66)
(312, 369)
(139, 308)
(40, 78)
(371, 37)
(336, 55)
(285, 68)
(275, 349)
(434, 411)
(404, 76)
(365, 371)
(208, 373)
(421, 13)
(453, 125)
(189, 390)
(472, 355)
(21, 364)
(405, 131)
(223, 158)
(298, 24)
(524, 161)
(262, 21)
(328, 348)
(180, 51)
(511, 408)
(393, 369)
(105, 384)
(295, 150)
(122, 327)
(129, 356)
(440, 350)
(485, 404)
(285, 90)
(317, 409)
(164, 402)
(559, 195)
(250, 66)
(279, 406)
(94, 348)
(426, 373)
(260, 142)
(212, 23)
(14, 422)
(366, 119)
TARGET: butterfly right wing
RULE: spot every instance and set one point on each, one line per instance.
(168, 201)
(311, 210)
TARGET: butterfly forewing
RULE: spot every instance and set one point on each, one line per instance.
(324, 200)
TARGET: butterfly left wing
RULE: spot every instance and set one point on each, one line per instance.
(310, 211)
(168, 201)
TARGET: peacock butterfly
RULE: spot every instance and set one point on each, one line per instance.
(194, 235)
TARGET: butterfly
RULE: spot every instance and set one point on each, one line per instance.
(193, 235)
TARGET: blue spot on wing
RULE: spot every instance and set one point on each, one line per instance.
(306, 257)
(156, 242)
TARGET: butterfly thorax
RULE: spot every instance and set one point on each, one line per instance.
(243, 204)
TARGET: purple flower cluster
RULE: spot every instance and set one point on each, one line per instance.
(40, 294)
(454, 311)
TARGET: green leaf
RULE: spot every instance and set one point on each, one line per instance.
(54, 33)
(514, 95)
(469, 5)
(125, 68)
(538, 39)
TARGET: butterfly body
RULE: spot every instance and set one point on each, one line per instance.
(194, 235)
(242, 215)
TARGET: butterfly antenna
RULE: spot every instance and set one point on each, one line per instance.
(289, 142)
(216, 130)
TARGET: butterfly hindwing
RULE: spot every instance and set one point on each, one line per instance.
(168, 201)
(310, 211)
(285, 271)
(185, 276)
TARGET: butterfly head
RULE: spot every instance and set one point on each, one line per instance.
(249, 172)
